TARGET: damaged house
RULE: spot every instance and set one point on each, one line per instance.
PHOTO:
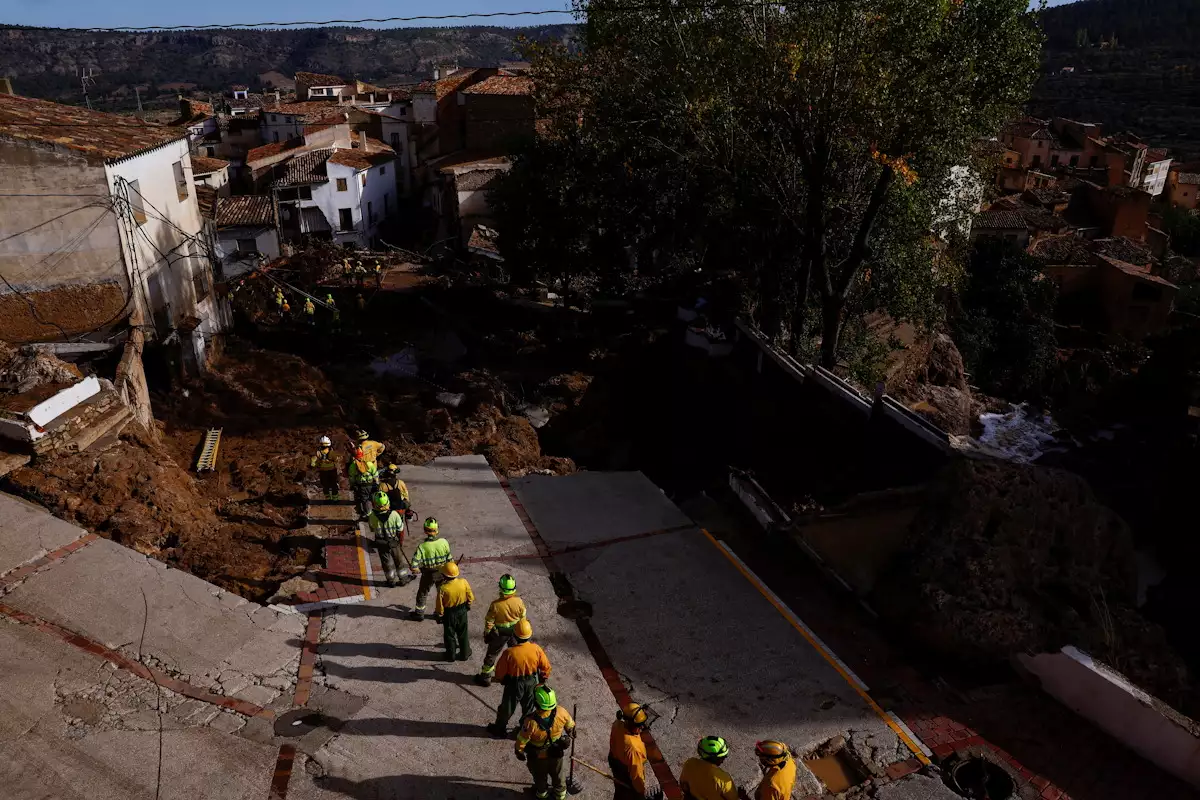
(101, 223)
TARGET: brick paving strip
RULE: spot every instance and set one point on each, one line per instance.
(54, 556)
(282, 775)
(662, 770)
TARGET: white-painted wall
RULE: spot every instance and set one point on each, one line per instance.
(356, 197)
(424, 108)
(1131, 716)
(1155, 178)
(169, 245)
(215, 180)
(266, 241)
(278, 127)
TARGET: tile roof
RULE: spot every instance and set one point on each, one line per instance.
(239, 87)
(1156, 154)
(202, 165)
(356, 159)
(303, 169)
(1124, 249)
(272, 149)
(1188, 178)
(108, 135)
(251, 100)
(1062, 250)
(245, 210)
(206, 198)
(444, 86)
(476, 179)
(1136, 271)
(311, 111)
(1048, 196)
(502, 85)
(319, 79)
(483, 240)
(999, 220)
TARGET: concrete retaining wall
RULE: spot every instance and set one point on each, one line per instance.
(1144, 724)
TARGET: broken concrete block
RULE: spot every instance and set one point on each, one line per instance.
(228, 723)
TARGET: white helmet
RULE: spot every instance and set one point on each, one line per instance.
(326, 441)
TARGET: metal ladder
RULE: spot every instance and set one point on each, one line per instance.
(208, 451)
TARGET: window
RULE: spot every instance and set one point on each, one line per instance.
(1093, 161)
(316, 91)
(396, 139)
(383, 170)
(1037, 161)
(305, 192)
(287, 194)
(1074, 161)
(341, 185)
(1054, 160)
(273, 120)
(370, 212)
(1146, 292)
(364, 179)
(1041, 144)
(181, 181)
(387, 204)
(403, 111)
(135, 203)
(275, 136)
(245, 246)
(345, 219)
(211, 152)
(200, 280)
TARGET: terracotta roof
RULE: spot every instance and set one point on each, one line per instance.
(206, 198)
(444, 86)
(483, 240)
(1155, 155)
(1062, 250)
(502, 84)
(318, 79)
(304, 168)
(272, 149)
(1123, 249)
(999, 220)
(245, 210)
(251, 100)
(311, 111)
(1048, 196)
(465, 158)
(1188, 178)
(475, 179)
(239, 87)
(358, 160)
(108, 135)
(201, 165)
(1136, 271)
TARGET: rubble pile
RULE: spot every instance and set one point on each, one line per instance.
(23, 369)
(1006, 558)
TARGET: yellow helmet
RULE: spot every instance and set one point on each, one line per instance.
(633, 715)
(770, 752)
(450, 569)
(523, 630)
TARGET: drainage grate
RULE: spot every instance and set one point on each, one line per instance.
(208, 451)
(298, 722)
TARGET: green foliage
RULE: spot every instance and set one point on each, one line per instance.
(807, 145)
(1184, 230)
(1005, 329)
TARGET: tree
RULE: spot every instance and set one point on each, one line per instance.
(1005, 328)
(815, 141)
(1184, 229)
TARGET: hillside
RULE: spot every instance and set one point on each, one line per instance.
(45, 62)
(1148, 83)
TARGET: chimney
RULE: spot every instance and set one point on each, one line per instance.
(185, 107)
(6, 86)
(362, 138)
(276, 97)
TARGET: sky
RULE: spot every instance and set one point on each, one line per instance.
(120, 13)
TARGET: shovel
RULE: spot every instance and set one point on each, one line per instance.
(573, 785)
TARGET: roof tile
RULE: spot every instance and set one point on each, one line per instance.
(109, 135)
(245, 210)
(202, 165)
(502, 85)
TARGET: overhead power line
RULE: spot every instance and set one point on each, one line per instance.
(417, 18)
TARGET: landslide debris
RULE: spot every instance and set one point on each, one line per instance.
(1006, 558)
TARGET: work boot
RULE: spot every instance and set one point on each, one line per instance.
(497, 731)
(392, 579)
(418, 615)
(465, 655)
(484, 679)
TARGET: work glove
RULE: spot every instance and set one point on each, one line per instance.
(520, 756)
(656, 794)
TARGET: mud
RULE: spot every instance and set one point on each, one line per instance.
(77, 309)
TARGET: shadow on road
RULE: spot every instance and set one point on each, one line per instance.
(375, 650)
(396, 674)
(412, 787)
(415, 728)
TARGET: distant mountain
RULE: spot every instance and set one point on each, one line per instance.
(1147, 82)
(45, 62)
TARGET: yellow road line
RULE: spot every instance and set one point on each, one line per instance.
(363, 563)
(819, 646)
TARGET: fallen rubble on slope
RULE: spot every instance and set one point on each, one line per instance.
(1004, 559)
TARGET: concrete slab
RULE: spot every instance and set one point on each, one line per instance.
(193, 628)
(691, 634)
(46, 753)
(28, 532)
(915, 787)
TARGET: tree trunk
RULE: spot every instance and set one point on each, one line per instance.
(831, 328)
(770, 309)
(799, 308)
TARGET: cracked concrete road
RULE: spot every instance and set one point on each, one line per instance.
(29, 532)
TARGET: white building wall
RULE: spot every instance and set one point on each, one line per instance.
(331, 201)
(278, 127)
(424, 108)
(215, 180)
(1155, 179)
(168, 246)
(266, 241)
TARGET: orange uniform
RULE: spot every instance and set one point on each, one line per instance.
(521, 660)
(628, 751)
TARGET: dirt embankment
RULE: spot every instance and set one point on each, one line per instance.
(1004, 559)
(76, 309)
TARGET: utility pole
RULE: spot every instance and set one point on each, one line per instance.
(137, 92)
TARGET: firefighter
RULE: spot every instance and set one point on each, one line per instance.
(627, 753)
(504, 612)
(454, 600)
(378, 274)
(779, 771)
(543, 742)
(310, 311)
(346, 271)
(397, 490)
(520, 669)
(325, 462)
(371, 448)
(431, 554)
(702, 778)
(360, 272)
(360, 301)
(364, 481)
(388, 529)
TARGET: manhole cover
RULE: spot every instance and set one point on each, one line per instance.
(980, 779)
(298, 722)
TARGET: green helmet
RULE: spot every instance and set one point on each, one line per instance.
(713, 748)
(508, 584)
(381, 501)
(545, 698)
(431, 527)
